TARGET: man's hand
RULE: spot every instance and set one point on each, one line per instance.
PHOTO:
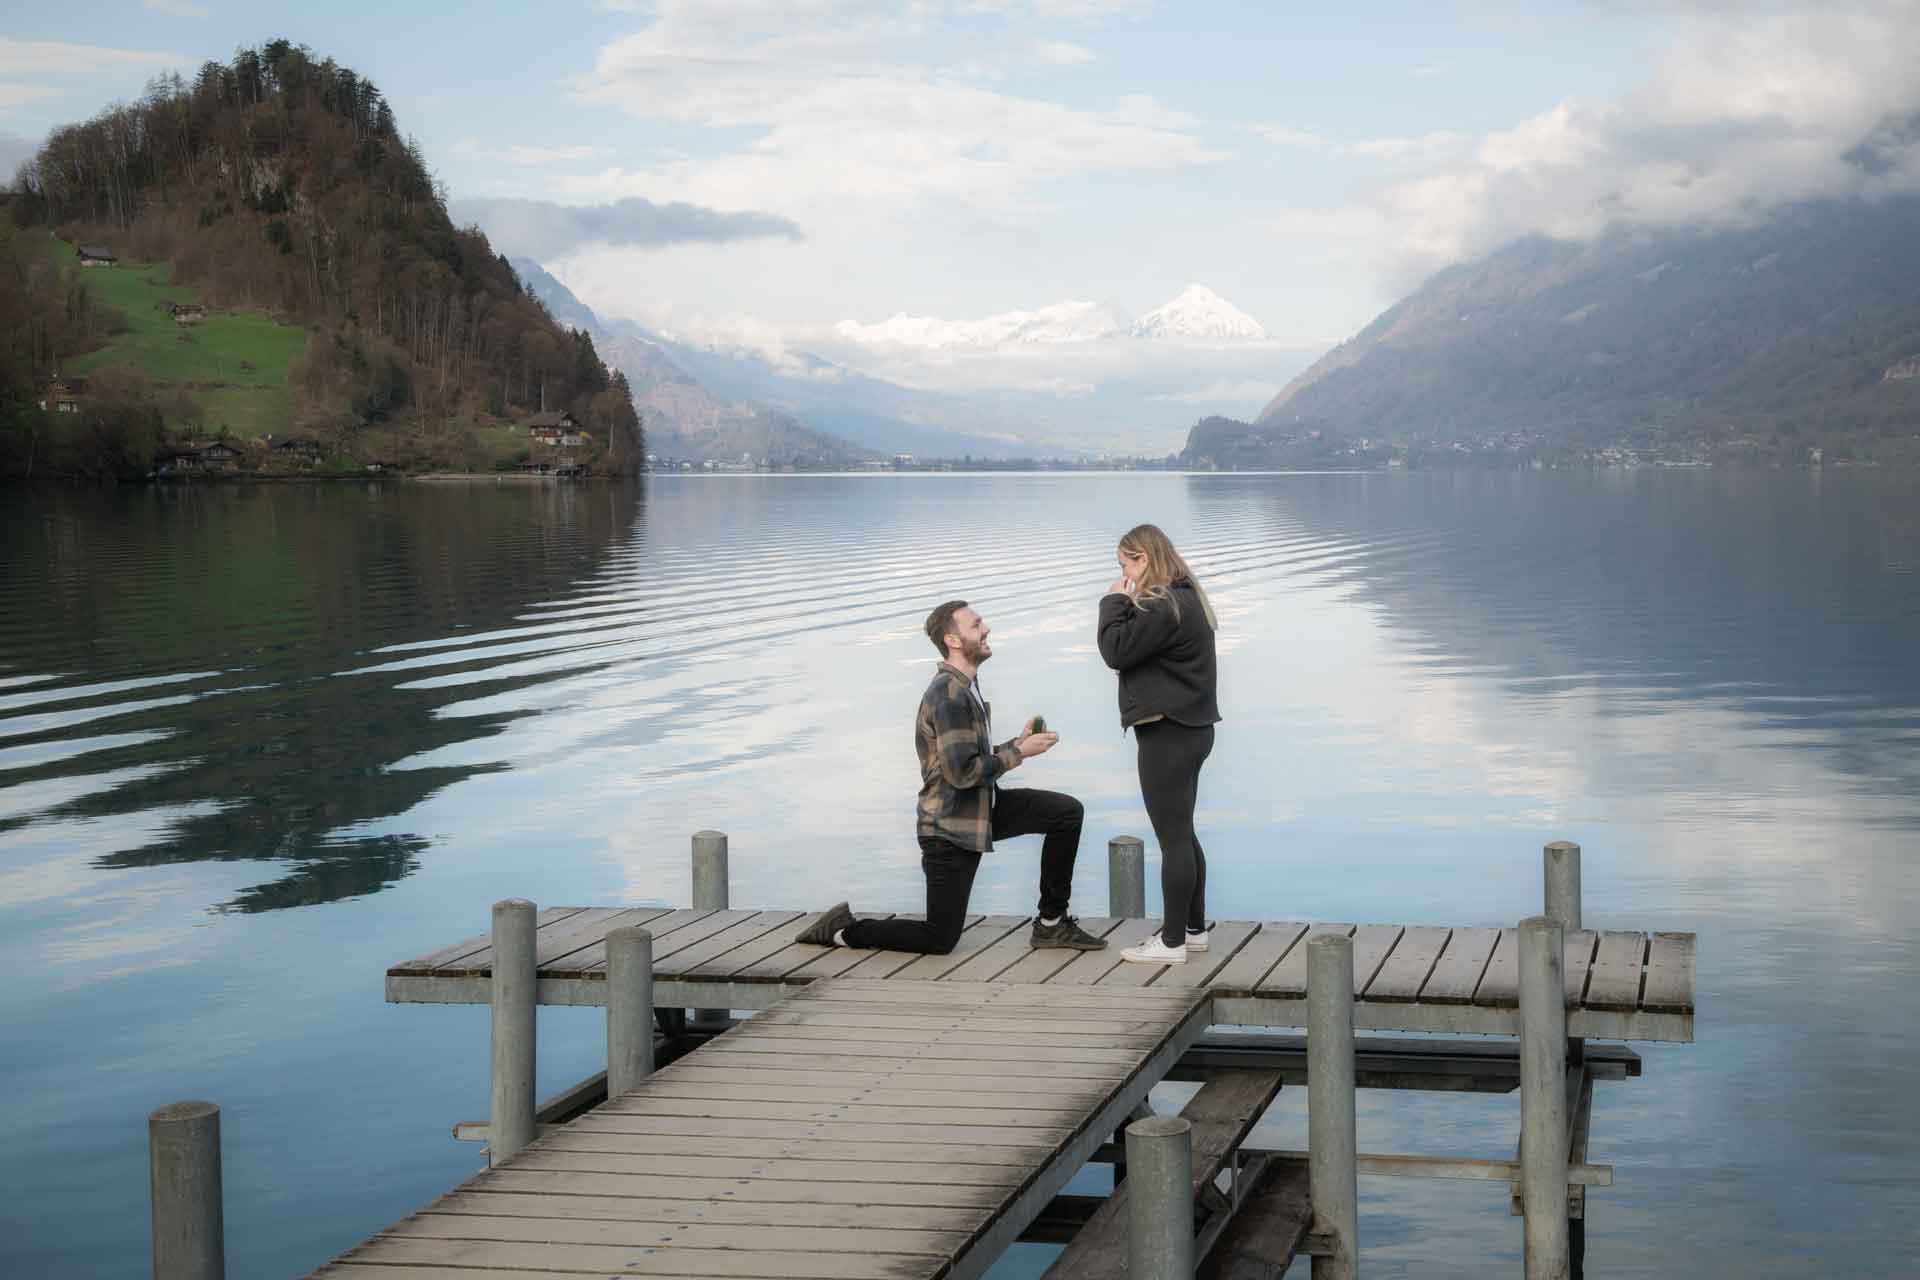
(1035, 744)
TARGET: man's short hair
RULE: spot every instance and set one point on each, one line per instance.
(940, 621)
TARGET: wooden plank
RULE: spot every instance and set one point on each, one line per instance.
(645, 1104)
(1037, 1035)
(552, 945)
(1456, 974)
(1289, 977)
(606, 1260)
(1222, 1113)
(709, 950)
(1615, 981)
(591, 961)
(1406, 970)
(1372, 944)
(997, 960)
(578, 958)
(1500, 984)
(1576, 960)
(1088, 967)
(829, 1130)
(1270, 945)
(1224, 942)
(881, 965)
(773, 1168)
(737, 1190)
(853, 1017)
(1670, 974)
(757, 1212)
(782, 1059)
(1031, 1086)
(1260, 1241)
(794, 956)
(974, 1094)
(999, 992)
(978, 938)
(933, 1245)
(451, 959)
(700, 1145)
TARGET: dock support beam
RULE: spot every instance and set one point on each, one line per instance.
(189, 1232)
(710, 893)
(629, 1009)
(510, 1124)
(1160, 1199)
(1562, 875)
(1543, 1098)
(1332, 1155)
(1127, 878)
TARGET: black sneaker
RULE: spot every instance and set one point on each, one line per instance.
(1065, 932)
(832, 920)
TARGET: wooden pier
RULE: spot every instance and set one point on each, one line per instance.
(889, 1116)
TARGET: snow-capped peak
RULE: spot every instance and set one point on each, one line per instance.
(1198, 312)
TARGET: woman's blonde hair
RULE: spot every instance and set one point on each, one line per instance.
(1164, 568)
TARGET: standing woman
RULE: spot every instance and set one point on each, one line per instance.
(1156, 630)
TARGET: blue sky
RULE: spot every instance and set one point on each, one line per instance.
(960, 160)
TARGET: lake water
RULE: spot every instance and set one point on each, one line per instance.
(259, 742)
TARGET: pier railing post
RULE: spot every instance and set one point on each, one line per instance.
(1160, 1199)
(629, 1009)
(515, 992)
(710, 893)
(1543, 1098)
(183, 1147)
(1127, 878)
(1332, 1158)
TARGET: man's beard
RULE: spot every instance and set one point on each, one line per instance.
(977, 652)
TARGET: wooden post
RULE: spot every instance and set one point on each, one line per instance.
(710, 893)
(1332, 1156)
(1127, 878)
(629, 1009)
(1160, 1199)
(183, 1150)
(1562, 866)
(510, 1124)
(1543, 1098)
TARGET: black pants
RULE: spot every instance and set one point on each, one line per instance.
(950, 869)
(1170, 758)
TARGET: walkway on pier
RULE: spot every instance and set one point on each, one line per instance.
(869, 1128)
(1620, 985)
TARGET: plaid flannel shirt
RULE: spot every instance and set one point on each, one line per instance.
(958, 765)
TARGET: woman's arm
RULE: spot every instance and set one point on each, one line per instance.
(1129, 635)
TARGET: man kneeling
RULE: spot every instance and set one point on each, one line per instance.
(963, 810)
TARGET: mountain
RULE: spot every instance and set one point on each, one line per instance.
(684, 419)
(1054, 323)
(1199, 312)
(1763, 341)
(275, 201)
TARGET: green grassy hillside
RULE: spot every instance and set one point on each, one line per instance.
(233, 365)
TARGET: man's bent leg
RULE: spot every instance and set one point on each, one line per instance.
(1025, 811)
(949, 870)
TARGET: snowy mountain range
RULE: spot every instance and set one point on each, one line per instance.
(1198, 314)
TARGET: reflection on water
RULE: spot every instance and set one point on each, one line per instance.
(258, 742)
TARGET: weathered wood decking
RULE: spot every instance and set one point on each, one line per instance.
(867, 1129)
(1620, 985)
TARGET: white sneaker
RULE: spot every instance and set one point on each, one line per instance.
(1197, 941)
(1155, 951)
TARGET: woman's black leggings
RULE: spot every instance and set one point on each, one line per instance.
(1170, 758)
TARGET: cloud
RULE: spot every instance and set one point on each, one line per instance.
(542, 229)
(15, 150)
(175, 8)
(1425, 147)
(864, 100)
(47, 57)
(532, 157)
(13, 94)
(1739, 119)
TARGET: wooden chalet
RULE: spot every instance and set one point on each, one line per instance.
(553, 427)
(219, 456)
(95, 255)
(62, 396)
(298, 449)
